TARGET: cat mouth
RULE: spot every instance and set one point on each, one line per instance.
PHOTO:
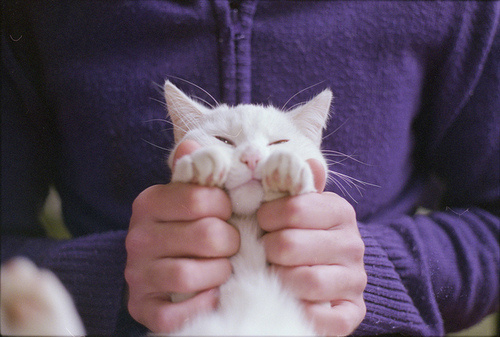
(251, 181)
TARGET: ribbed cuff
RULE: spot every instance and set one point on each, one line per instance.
(390, 309)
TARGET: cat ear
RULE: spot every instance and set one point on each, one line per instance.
(182, 110)
(311, 117)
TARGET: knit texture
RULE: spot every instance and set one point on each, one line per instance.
(415, 115)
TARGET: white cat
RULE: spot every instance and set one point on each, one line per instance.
(256, 153)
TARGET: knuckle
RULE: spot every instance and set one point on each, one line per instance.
(344, 325)
(135, 241)
(202, 201)
(135, 310)
(216, 238)
(295, 206)
(142, 201)
(211, 231)
(295, 210)
(286, 246)
(357, 284)
(163, 320)
(315, 285)
(350, 317)
(361, 310)
(363, 281)
(181, 276)
(132, 277)
(347, 209)
(356, 249)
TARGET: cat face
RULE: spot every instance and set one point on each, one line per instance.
(247, 133)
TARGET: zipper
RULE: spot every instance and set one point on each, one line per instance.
(235, 20)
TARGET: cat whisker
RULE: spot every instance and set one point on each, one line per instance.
(298, 93)
(237, 134)
(332, 162)
(295, 105)
(204, 101)
(158, 120)
(335, 131)
(198, 87)
(341, 187)
(155, 145)
(163, 104)
(339, 179)
(334, 153)
(353, 181)
(166, 121)
(159, 87)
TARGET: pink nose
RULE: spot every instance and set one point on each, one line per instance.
(250, 158)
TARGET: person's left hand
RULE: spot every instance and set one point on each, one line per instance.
(314, 245)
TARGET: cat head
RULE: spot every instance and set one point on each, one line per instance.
(249, 133)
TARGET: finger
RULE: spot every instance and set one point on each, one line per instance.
(162, 316)
(319, 174)
(303, 247)
(184, 148)
(207, 237)
(329, 210)
(187, 275)
(180, 202)
(323, 283)
(338, 320)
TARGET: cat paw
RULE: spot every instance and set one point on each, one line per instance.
(34, 302)
(207, 166)
(285, 173)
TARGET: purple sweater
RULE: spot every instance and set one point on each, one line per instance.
(417, 104)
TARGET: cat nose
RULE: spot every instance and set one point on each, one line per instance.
(250, 159)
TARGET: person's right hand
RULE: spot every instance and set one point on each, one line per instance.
(178, 242)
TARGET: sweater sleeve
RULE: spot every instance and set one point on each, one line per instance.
(428, 275)
(91, 267)
(437, 273)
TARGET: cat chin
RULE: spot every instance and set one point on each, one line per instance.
(246, 198)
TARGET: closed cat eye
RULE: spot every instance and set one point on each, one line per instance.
(225, 140)
(281, 141)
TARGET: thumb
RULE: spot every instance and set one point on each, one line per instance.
(319, 174)
(184, 148)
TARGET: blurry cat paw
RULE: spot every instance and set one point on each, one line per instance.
(34, 302)
(285, 173)
(207, 166)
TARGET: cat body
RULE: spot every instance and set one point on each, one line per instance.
(256, 154)
(253, 301)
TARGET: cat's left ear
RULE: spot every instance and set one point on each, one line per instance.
(182, 110)
(311, 117)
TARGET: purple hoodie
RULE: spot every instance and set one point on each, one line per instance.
(417, 105)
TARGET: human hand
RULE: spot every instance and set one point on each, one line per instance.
(178, 242)
(314, 245)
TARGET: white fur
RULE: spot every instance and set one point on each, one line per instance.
(253, 301)
(35, 303)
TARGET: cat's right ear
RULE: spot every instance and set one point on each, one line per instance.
(183, 111)
(312, 116)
